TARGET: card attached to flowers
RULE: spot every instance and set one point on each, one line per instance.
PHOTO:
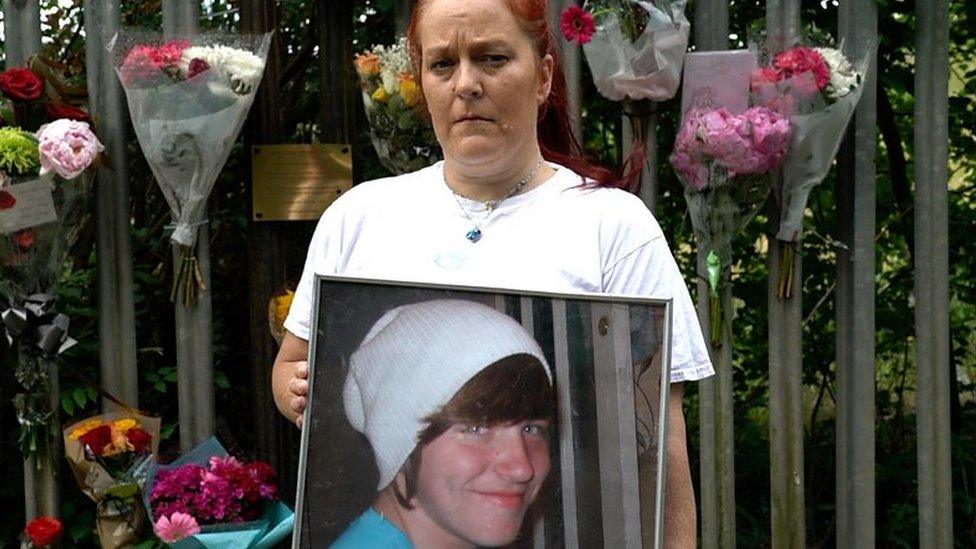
(26, 205)
(718, 78)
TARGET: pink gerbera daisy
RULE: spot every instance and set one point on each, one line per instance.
(176, 527)
(577, 24)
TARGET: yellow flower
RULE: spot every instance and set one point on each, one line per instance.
(409, 90)
(125, 424)
(282, 304)
(79, 431)
(380, 95)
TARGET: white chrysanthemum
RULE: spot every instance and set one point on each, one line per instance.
(843, 77)
(242, 68)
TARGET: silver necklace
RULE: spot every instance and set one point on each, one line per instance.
(475, 233)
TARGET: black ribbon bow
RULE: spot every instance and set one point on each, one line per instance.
(38, 324)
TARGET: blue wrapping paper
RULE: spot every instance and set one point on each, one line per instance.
(272, 527)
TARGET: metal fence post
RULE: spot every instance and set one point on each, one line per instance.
(717, 469)
(194, 325)
(22, 29)
(116, 312)
(572, 59)
(932, 274)
(857, 29)
(785, 348)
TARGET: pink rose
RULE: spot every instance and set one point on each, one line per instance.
(67, 147)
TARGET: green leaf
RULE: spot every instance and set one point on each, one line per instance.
(79, 396)
(67, 404)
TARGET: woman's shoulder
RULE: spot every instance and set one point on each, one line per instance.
(605, 205)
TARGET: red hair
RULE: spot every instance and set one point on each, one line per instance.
(554, 131)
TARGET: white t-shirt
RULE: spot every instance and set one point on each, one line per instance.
(557, 237)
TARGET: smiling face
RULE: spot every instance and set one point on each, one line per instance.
(483, 81)
(475, 483)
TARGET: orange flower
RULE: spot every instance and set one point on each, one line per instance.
(367, 64)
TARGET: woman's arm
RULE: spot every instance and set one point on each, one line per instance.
(289, 377)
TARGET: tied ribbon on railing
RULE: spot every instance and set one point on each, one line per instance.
(37, 324)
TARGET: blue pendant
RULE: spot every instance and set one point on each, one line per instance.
(474, 235)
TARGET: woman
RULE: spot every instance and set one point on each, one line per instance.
(460, 433)
(513, 204)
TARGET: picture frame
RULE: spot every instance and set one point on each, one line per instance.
(610, 361)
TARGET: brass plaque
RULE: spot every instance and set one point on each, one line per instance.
(298, 182)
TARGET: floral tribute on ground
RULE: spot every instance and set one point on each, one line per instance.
(400, 130)
(818, 88)
(110, 456)
(48, 154)
(723, 154)
(188, 100)
(208, 498)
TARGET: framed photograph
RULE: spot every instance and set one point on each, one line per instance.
(608, 359)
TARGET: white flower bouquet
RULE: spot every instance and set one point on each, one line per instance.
(188, 100)
(818, 89)
(634, 48)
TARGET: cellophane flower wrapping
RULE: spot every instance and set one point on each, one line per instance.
(188, 99)
(110, 455)
(45, 189)
(400, 129)
(177, 488)
(818, 88)
(723, 158)
(648, 67)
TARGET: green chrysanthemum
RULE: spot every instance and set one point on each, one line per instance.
(18, 152)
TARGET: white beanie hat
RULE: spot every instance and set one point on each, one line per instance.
(412, 362)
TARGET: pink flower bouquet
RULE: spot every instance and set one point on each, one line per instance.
(818, 89)
(723, 158)
(210, 499)
(188, 100)
(45, 183)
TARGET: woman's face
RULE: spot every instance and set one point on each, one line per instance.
(475, 483)
(482, 79)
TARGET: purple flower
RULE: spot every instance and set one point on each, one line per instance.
(67, 147)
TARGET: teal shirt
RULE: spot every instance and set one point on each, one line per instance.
(372, 530)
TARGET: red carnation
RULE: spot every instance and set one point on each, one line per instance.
(24, 239)
(57, 111)
(97, 439)
(800, 60)
(21, 84)
(577, 24)
(44, 531)
(139, 439)
(7, 200)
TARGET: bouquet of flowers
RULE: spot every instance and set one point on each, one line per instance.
(48, 150)
(278, 308)
(634, 48)
(210, 499)
(818, 89)
(41, 533)
(723, 158)
(110, 456)
(188, 100)
(400, 130)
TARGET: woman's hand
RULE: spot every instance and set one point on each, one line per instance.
(289, 378)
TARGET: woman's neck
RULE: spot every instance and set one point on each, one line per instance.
(485, 184)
